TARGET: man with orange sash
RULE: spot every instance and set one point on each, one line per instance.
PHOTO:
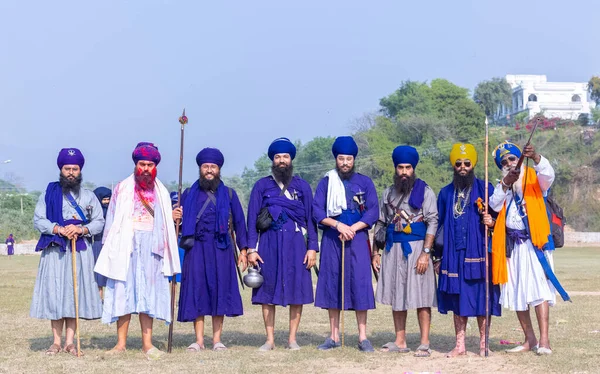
(522, 261)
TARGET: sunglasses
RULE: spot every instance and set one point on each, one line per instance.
(460, 163)
(510, 158)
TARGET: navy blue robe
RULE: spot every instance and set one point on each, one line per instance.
(358, 285)
(209, 283)
(461, 288)
(283, 246)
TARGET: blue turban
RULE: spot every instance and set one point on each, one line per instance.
(70, 156)
(174, 197)
(405, 154)
(504, 149)
(147, 152)
(211, 156)
(344, 145)
(282, 145)
(102, 192)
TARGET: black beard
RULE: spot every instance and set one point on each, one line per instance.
(68, 186)
(461, 182)
(403, 187)
(283, 174)
(345, 176)
(210, 184)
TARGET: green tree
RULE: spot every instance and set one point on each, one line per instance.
(411, 98)
(492, 94)
(594, 89)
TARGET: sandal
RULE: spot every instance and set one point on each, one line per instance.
(219, 347)
(154, 354)
(423, 351)
(54, 349)
(392, 347)
(195, 347)
(72, 349)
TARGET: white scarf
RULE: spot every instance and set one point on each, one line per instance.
(113, 261)
(336, 194)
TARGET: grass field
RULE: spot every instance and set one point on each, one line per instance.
(574, 334)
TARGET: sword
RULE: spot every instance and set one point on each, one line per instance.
(360, 195)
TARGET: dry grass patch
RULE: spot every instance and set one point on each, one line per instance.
(575, 345)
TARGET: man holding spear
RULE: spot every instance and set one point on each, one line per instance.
(140, 251)
(345, 206)
(60, 218)
(461, 262)
(522, 262)
(209, 280)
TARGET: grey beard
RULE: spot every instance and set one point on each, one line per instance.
(345, 176)
(283, 175)
(461, 182)
(68, 186)
(403, 187)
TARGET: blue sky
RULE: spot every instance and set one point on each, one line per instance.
(104, 75)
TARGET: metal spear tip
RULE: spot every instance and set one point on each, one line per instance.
(183, 119)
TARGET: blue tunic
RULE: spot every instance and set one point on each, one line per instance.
(209, 284)
(459, 290)
(358, 286)
(283, 247)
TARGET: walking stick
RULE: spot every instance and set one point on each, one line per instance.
(75, 293)
(486, 246)
(343, 286)
(183, 120)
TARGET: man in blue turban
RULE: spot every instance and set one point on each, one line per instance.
(345, 207)
(406, 228)
(285, 256)
(210, 211)
(66, 211)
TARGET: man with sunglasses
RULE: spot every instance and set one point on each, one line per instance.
(521, 263)
(406, 228)
(461, 287)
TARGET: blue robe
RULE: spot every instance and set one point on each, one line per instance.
(358, 286)
(461, 287)
(283, 247)
(209, 285)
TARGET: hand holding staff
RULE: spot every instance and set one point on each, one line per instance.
(75, 291)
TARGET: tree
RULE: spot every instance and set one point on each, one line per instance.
(594, 89)
(492, 94)
(411, 98)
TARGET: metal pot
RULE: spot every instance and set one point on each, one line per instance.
(253, 279)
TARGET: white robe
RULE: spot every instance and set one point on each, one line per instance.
(527, 283)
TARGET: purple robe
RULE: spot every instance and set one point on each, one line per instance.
(358, 286)
(286, 279)
(209, 283)
(10, 249)
(461, 285)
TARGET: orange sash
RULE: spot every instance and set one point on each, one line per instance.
(539, 227)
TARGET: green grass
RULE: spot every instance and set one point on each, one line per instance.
(575, 345)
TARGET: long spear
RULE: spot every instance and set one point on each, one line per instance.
(343, 286)
(75, 293)
(183, 120)
(486, 246)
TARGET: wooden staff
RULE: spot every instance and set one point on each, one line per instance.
(182, 120)
(75, 293)
(486, 246)
(343, 286)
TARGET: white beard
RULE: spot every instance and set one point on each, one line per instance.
(518, 185)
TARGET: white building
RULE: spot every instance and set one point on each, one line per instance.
(533, 94)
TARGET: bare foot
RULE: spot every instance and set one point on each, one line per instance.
(456, 352)
(482, 352)
(116, 350)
